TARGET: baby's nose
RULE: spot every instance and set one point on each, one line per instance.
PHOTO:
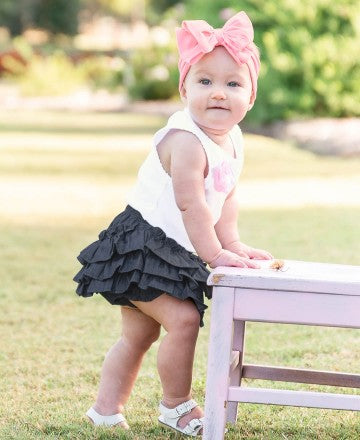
(218, 94)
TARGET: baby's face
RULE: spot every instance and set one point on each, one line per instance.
(217, 91)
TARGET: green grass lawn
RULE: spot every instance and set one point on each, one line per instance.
(90, 145)
(53, 342)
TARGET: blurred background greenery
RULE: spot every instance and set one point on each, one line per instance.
(308, 49)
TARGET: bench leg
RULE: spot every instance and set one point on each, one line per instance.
(235, 374)
(217, 381)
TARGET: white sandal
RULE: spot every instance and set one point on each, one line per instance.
(99, 420)
(170, 417)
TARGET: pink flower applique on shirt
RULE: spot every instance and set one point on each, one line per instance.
(223, 177)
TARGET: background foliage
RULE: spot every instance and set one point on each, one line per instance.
(154, 73)
(57, 16)
(55, 71)
(308, 50)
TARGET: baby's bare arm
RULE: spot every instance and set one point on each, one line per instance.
(227, 231)
(188, 165)
(226, 228)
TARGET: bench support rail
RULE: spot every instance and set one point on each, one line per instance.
(301, 376)
(294, 398)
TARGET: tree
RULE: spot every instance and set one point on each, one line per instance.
(123, 9)
(17, 16)
(56, 16)
(161, 6)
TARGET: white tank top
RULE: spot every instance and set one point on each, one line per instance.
(153, 194)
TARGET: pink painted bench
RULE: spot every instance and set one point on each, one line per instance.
(305, 293)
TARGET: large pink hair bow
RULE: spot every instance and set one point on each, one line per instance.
(196, 38)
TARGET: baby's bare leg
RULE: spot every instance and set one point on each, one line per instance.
(122, 362)
(176, 352)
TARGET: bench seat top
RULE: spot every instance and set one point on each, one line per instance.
(296, 276)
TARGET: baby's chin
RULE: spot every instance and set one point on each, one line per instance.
(225, 116)
(216, 127)
(220, 119)
(215, 121)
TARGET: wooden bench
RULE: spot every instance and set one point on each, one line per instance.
(315, 294)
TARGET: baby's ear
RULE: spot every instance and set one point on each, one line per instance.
(183, 95)
(251, 103)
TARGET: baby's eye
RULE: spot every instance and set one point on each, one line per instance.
(233, 84)
(205, 81)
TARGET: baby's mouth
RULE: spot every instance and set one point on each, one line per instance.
(217, 107)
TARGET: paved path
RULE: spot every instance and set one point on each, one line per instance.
(300, 192)
(73, 142)
(36, 199)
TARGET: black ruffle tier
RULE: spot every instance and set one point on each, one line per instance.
(133, 260)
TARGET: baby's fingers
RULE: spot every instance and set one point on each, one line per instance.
(238, 263)
(244, 262)
(267, 255)
(252, 265)
(262, 255)
(242, 254)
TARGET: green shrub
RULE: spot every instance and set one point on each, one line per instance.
(103, 72)
(309, 62)
(153, 73)
(58, 74)
(53, 75)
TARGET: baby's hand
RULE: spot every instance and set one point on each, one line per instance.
(227, 258)
(246, 251)
(259, 254)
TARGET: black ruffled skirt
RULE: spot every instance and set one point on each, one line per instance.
(134, 261)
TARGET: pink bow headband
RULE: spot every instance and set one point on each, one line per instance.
(196, 38)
